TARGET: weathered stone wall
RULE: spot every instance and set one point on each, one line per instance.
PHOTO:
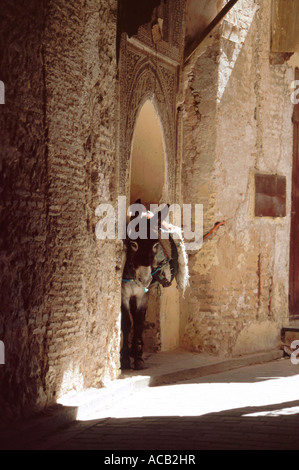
(25, 270)
(59, 285)
(237, 122)
(82, 335)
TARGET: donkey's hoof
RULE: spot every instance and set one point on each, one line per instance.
(125, 364)
(139, 364)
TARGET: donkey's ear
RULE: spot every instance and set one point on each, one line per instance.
(156, 247)
(156, 221)
(134, 245)
(138, 207)
(162, 215)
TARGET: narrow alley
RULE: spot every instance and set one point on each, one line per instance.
(165, 327)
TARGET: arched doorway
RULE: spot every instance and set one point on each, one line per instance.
(148, 158)
(148, 181)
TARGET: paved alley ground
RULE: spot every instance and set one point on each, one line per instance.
(254, 407)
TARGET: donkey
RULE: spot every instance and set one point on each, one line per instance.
(137, 278)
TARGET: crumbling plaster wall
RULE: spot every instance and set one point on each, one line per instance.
(237, 122)
(60, 286)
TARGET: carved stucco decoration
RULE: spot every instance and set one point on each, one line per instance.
(150, 69)
(144, 76)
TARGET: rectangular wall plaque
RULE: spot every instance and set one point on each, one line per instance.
(270, 195)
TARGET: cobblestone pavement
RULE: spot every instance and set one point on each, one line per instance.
(254, 407)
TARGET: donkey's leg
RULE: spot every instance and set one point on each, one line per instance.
(138, 314)
(126, 328)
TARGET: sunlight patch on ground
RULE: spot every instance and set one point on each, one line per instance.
(294, 410)
(191, 399)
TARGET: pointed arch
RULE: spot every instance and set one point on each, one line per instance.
(148, 172)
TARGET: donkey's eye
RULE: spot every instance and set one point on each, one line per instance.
(155, 247)
(134, 246)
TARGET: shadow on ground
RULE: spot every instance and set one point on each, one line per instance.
(262, 428)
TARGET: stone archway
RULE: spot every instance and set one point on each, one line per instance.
(149, 147)
(148, 181)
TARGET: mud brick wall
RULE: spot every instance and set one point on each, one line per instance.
(59, 285)
(237, 122)
(24, 250)
(80, 84)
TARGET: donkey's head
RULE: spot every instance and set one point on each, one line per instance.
(141, 255)
(143, 248)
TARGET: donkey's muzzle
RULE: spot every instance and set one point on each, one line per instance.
(144, 276)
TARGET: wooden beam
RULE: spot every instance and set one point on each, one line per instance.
(210, 27)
